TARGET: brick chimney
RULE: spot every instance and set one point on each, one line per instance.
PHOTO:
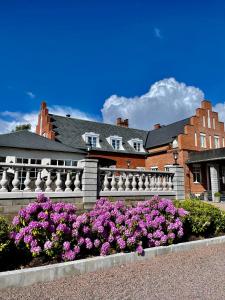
(44, 126)
(122, 123)
(157, 126)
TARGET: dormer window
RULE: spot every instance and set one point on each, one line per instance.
(137, 144)
(115, 142)
(91, 139)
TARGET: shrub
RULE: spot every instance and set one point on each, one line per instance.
(51, 229)
(217, 194)
(150, 223)
(203, 219)
(55, 231)
(8, 253)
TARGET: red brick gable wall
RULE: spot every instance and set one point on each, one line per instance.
(187, 140)
(163, 156)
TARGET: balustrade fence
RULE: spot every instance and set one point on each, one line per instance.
(36, 178)
(132, 180)
(87, 181)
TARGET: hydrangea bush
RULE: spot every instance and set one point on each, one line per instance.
(56, 231)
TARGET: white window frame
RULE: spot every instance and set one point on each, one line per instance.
(216, 138)
(139, 142)
(223, 142)
(167, 168)
(214, 123)
(118, 139)
(209, 120)
(91, 135)
(196, 140)
(154, 168)
(210, 142)
(203, 121)
(196, 169)
(203, 145)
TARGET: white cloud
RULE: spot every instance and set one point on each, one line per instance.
(30, 94)
(158, 33)
(166, 101)
(10, 119)
(220, 108)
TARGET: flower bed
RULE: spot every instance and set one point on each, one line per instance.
(52, 232)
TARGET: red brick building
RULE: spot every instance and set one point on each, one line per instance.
(198, 140)
(114, 145)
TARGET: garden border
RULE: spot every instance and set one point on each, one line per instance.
(25, 277)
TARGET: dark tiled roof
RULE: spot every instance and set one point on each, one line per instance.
(165, 134)
(206, 155)
(29, 140)
(69, 131)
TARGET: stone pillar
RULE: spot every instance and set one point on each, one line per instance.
(178, 181)
(89, 181)
(214, 175)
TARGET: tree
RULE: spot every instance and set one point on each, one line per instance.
(22, 127)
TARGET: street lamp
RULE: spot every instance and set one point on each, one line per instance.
(175, 156)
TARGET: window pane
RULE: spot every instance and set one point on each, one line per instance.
(68, 163)
(60, 162)
(94, 141)
(19, 160)
(2, 159)
(54, 162)
(74, 163)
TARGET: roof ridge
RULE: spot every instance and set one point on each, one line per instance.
(164, 126)
(101, 123)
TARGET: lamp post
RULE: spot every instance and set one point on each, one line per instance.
(175, 156)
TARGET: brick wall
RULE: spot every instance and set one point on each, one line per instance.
(190, 141)
(121, 159)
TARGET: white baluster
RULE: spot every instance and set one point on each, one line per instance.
(4, 181)
(38, 182)
(170, 183)
(159, 184)
(164, 183)
(140, 183)
(127, 182)
(16, 181)
(147, 183)
(154, 183)
(151, 183)
(27, 181)
(106, 183)
(68, 182)
(58, 182)
(48, 182)
(77, 182)
(120, 183)
(113, 183)
(134, 183)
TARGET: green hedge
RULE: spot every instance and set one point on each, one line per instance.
(203, 220)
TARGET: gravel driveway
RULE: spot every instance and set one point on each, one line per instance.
(196, 274)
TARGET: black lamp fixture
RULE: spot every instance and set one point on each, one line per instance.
(175, 156)
(89, 148)
(128, 163)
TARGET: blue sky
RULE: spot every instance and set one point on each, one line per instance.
(79, 53)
